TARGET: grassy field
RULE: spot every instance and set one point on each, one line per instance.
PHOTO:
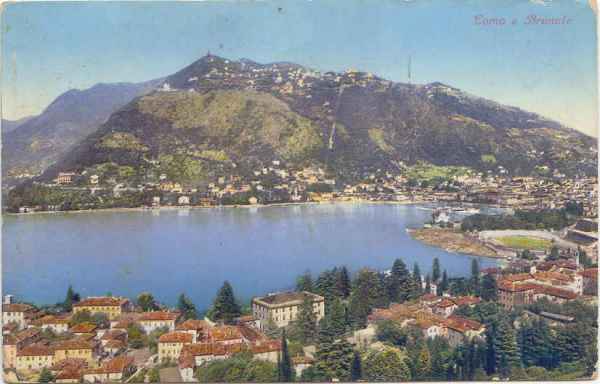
(524, 242)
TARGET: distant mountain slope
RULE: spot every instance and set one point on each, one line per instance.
(11, 125)
(41, 140)
(216, 114)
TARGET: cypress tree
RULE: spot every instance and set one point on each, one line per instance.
(417, 284)
(443, 286)
(367, 293)
(326, 285)
(70, 299)
(506, 347)
(305, 282)
(489, 288)
(334, 358)
(336, 318)
(186, 307)
(356, 372)
(490, 355)
(225, 308)
(343, 282)
(398, 284)
(306, 321)
(475, 276)
(427, 283)
(435, 274)
(285, 363)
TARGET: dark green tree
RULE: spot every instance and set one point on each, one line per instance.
(305, 282)
(398, 282)
(343, 285)
(333, 357)
(535, 343)
(436, 271)
(444, 284)
(367, 293)
(306, 321)
(225, 307)
(71, 298)
(416, 283)
(146, 302)
(336, 318)
(46, 376)
(186, 308)
(489, 288)
(326, 285)
(554, 254)
(285, 362)
(505, 346)
(356, 372)
(474, 282)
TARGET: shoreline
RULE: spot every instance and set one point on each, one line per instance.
(451, 241)
(194, 207)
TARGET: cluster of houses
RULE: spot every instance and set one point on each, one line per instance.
(88, 352)
(432, 315)
(91, 353)
(275, 183)
(558, 281)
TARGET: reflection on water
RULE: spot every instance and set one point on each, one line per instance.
(258, 249)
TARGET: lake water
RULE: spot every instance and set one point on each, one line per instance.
(167, 252)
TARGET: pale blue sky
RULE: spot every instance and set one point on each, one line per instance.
(49, 48)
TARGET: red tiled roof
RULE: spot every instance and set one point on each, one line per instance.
(225, 332)
(50, 319)
(69, 374)
(73, 344)
(25, 334)
(517, 277)
(461, 324)
(83, 328)
(17, 307)
(192, 325)
(176, 337)
(117, 364)
(101, 302)
(512, 287)
(466, 300)
(114, 334)
(265, 346)
(71, 363)
(36, 350)
(158, 316)
(445, 303)
(553, 276)
(556, 292)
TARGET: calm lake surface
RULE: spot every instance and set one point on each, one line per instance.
(167, 252)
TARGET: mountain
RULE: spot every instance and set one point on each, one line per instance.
(219, 116)
(10, 125)
(41, 140)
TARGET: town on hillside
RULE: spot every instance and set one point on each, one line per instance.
(115, 186)
(531, 319)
